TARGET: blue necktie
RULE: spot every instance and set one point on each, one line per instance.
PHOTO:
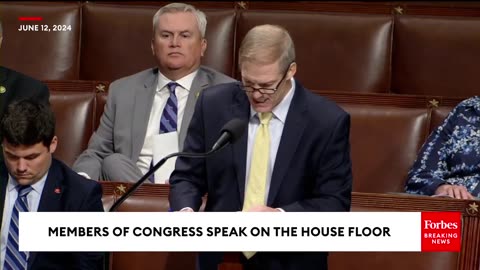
(15, 259)
(168, 122)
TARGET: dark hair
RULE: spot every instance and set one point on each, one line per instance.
(27, 122)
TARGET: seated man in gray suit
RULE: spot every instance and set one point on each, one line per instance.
(156, 100)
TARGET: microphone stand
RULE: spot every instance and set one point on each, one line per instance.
(231, 131)
(127, 194)
(154, 168)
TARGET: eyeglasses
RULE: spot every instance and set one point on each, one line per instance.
(264, 90)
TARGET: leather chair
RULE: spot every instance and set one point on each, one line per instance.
(386, 132)
(436, 55)
(353, 47)
(74, 113)
(384, 142)
(341, 52)
(125, 50)
(50, 55)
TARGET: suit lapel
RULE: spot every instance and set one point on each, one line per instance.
(52, 191)
(50, 200)
(241, 109)
(3, 91)
(3, 189)
(199, 83)
(295, 124)
(3, 75)
(141, 113)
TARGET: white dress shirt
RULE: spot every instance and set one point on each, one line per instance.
(276, 129)
(160, 100)
(11, 195)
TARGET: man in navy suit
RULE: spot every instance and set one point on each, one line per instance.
(308, 165)
(31, 180)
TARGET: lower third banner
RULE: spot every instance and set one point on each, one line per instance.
(240, 231)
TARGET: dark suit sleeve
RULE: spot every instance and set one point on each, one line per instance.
(93, 200)
(43, 94)
(332, 185)
(187, 182)
(27, 87)
(91, 203)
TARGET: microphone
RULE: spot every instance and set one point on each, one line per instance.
(230, 133)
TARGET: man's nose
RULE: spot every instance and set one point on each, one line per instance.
(257, 94)
(175, 41)
(22, 165)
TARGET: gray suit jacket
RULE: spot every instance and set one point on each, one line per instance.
(123, 124)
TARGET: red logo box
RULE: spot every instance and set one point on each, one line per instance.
(441, 231)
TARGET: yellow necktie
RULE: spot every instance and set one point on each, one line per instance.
(255, 193)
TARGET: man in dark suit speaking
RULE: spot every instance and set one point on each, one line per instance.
(294, 157)
(31, 180)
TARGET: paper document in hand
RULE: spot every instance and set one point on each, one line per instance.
(163, 145)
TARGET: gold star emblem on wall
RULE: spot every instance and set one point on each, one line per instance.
(472, 209)
(398, 10)
(121, 189)
(434, 103)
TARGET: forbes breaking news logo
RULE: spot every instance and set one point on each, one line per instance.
(441, 231)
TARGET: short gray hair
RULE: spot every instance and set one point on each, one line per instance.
(181, 7)
(267, 44)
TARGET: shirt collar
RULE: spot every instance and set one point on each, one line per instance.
(281, 110)
(37, 187)
(185, 82)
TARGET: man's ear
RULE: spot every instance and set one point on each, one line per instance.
(152, 47)
(293, 70)
(53, 145)
(204, 46)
